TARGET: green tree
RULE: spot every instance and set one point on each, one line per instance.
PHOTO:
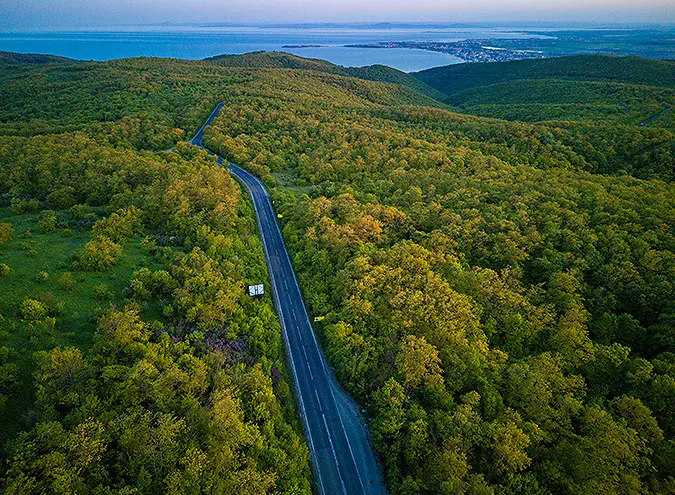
(100, 254)
(6, 231)
(120, 225)
(417, 362)
(47, 221)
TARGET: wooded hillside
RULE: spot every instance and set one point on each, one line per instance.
(498, 296)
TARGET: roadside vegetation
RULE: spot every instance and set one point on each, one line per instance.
(131, 358)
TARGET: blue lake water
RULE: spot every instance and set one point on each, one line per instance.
(198, 43)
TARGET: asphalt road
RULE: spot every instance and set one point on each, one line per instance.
(343, 460)
(654, 117)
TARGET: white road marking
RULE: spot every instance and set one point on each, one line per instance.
(318, 400)
(349, 444)
(309, 368)
(332, 448)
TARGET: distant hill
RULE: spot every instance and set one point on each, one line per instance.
(626, 90)
(383, 73)
(282, 60)
(274, 60)
(17, 59)
(635, 70)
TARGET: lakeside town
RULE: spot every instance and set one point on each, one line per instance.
(468, 50)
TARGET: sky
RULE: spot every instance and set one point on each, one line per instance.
(22, 15)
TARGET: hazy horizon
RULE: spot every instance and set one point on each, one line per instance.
(22, 15)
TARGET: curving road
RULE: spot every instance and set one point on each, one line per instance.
(342, 456)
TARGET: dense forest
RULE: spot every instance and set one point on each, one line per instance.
(281, 60)
(131, 358)
(502, 309)
(497, 295)
(598, 68)
(604, 90)
(617, 112)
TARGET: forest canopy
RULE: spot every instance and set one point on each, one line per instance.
(497, 295)
(131, 358)
(609, 94)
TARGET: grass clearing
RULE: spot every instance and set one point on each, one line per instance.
(41, 268)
